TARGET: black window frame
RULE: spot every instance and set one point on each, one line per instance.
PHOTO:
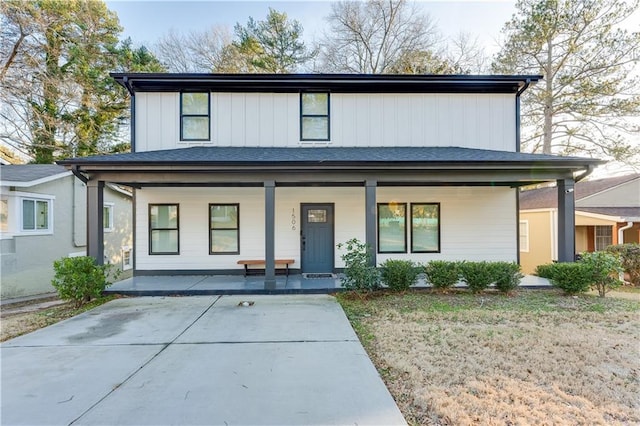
(379, 251)
(215, 253)
(303, 116)
(177, 229)
(439, 226)
(207, 115)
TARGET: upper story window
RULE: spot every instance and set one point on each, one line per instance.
(36, 215)
(195, 116)
(314, 117)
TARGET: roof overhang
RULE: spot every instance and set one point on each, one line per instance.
(337, 83)
(28, 184)
(391, 166)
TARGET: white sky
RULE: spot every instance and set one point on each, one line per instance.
(145, 21)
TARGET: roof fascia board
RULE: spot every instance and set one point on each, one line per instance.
(28, 184)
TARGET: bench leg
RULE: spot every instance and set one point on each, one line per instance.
(287, 269)
(246, 270)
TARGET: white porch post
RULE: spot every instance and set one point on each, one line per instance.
(95, 232)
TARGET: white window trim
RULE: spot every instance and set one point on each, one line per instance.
(110, 207)
(524, 248)
(126, 267)
(35, 197)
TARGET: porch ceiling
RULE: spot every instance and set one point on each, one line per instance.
(229, 166)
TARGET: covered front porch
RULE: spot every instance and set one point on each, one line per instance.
(194, 285)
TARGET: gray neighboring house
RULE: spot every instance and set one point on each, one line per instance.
(43, 218)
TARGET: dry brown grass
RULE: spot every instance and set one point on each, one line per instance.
(537, 358)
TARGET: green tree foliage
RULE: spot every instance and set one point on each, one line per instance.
(56, 58)
(589, 97)
(273, 45)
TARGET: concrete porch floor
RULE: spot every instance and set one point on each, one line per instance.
(193, 285)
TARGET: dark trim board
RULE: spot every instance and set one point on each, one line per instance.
(169, 272)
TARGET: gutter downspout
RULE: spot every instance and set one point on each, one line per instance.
(76, 173)
(585, 174)
(83, 179)
(518, 93)
(621, 232)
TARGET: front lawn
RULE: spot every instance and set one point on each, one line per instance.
(536, 358)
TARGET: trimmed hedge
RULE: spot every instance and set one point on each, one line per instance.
(477, 275)
(442, 274)
(507, 276)
(630, 256)
(572, 278)
(399, 275)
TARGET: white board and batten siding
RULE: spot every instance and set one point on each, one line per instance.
(476, 223)
(483, 121)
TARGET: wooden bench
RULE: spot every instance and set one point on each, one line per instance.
(261, 262)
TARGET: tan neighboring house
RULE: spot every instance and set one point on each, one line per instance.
(607, 212)
(43, 218)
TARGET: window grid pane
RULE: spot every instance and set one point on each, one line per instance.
(195, 128)
(425, 228)
(163, 229)
(4, 215)
(42, 215)
(314, 116)
(603, 237)
(28, 215)
(392, 235)
(195, 104)
(224, 228)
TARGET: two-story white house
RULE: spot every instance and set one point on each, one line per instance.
(233, 167)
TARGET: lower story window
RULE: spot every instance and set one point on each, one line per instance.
(603, 237)
(127, 261)
(164, 237)
(224, 228)
(425, 227)
(392, 228)
(35, 215)
(524, 236)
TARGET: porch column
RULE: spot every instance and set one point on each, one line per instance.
(95, 232)
(566, 221)
(370, 218)
(269, 235)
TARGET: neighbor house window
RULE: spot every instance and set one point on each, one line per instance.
(107, 217)
(392, 228)
(164, 235)
(224, 228)
(603, 237)
(425, 227)
(314, 116)
(194, 117)
(36, 215)
(524, 235)
(127, 260)
(4, 215)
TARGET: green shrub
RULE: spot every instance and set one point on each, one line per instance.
(442, 274)
(630, 256)
(79, 278)
(359, 274)
(399, 275)
(545, 271)
(604, 268)
(477, 275)
(572, 278)
(507, 276)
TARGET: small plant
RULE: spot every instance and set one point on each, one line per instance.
(399, 275)
(630, 256)
(79, 278)
(477, 275)
(359, 273)
(572, 278)
(442, 274)
(604, 269)
(507, 276)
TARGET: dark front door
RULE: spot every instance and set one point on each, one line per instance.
(316, 240)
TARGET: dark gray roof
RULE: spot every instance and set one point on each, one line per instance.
(29, 172)
(541, 198)
(323, 155)
(337, 83)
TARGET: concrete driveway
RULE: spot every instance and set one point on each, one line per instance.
(196, 360)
